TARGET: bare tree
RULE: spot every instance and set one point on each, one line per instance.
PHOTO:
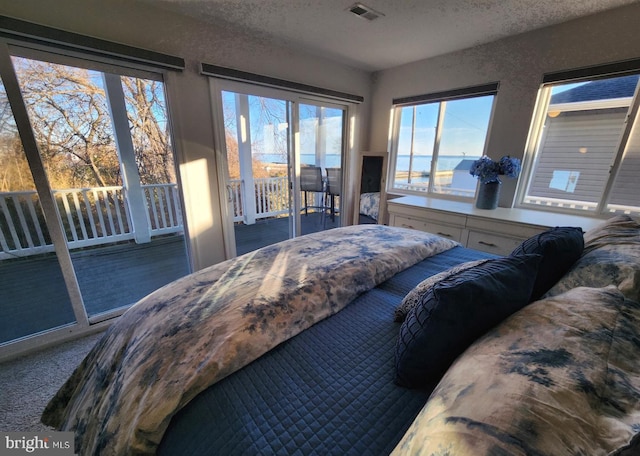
(146, 109)
(70, 118)
(14, 169)
(267, 110)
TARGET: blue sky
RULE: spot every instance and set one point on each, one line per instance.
(464, 133)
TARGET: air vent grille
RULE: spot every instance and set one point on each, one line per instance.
(364, 11)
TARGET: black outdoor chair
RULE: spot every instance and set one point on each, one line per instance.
(311, 181)
(334, 186)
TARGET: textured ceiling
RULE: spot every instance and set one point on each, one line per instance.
(410, 30)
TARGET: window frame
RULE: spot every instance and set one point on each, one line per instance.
(536, 134)
(489, 89)
(23, 45)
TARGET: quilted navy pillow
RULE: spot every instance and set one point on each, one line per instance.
(560, 248)
(414, 296)
(456, 311)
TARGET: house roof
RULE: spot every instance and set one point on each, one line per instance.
(601, 89)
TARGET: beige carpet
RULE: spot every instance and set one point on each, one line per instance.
(27, 383)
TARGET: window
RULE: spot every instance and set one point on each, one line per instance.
(437, 137)
(585, 156)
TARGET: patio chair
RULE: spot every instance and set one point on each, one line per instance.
(311, 181)
(334, 186)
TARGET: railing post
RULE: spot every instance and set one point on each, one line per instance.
(244, 155)
(134, 196)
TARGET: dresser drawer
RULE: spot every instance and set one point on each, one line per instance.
(450, 232)
(492, 243)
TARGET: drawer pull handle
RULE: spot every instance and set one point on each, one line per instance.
(444, 234)
(404, 225)
(488, 244)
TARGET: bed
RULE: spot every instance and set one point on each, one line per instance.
(374, 340)
(369, 207)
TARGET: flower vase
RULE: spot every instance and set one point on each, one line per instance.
(488, 195)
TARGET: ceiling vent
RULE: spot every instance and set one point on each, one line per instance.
(364, 11)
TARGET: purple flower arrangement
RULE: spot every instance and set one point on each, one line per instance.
(488, 170)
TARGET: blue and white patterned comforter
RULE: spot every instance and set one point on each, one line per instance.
(186, 336)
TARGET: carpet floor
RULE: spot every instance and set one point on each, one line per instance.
(29, 382)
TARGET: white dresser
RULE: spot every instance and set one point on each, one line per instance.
(496, 231)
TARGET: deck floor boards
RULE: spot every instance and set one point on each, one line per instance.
(269, 231)
(33, 296)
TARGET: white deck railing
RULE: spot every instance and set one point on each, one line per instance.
(101, 215)
(271, 196)
(163, 201)
(90, 216)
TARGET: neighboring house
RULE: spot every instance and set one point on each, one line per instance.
(462, 180)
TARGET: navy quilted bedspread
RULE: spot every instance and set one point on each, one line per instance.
(328, 391)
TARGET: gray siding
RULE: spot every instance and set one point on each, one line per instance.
(597, 133)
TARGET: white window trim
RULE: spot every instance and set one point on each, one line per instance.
(393, 144)
(543, 108)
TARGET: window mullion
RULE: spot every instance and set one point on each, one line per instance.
(412, 147)
(293, 159)
(622, 147)
(394, 146)
(533, 144)
(436, 144)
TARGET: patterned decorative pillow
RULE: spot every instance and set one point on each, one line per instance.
(611, 257)
(620, 229)
(370, 204)
(456, 311)
(414, 296)
(560, 248)
(559, 377)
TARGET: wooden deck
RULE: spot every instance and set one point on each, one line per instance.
(34, 297)
(269, 231)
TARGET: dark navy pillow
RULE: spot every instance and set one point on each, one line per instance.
(456, 311)
(560, 248)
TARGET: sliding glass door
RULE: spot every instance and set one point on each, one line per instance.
(322, 133)
(258, 150)
(282, 154)
(98, 145)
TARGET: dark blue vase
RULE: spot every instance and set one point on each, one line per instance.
(488, 195)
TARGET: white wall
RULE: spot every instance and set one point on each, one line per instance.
(144, 26)
(518, 63)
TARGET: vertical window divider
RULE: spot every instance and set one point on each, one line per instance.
(442, 109)
(530, 157)
(413, 140)
(393, 144)
(623, 144)
(293, 122)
